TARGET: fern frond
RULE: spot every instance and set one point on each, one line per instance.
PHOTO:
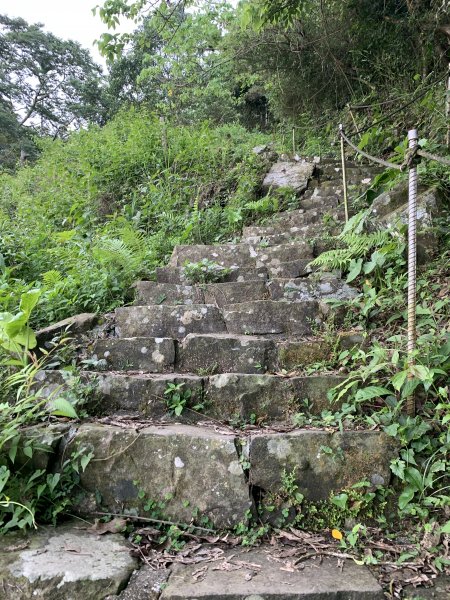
(51, 278)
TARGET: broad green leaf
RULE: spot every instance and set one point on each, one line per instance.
(355, 269)
(340, 500)
(29, 300)
(399, 379)
(372, 391)
(414, 478)
(26, 337)
(445, 528)
(405, 498)
(62, 408)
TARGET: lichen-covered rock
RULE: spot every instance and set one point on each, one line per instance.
(168, 321)
(73, 326)
(155, 355)
(269, 317)
(322, 461)
(294, 175)
(225, 353)
(151, 292)
(241, 255)
(223, 294)
(145, 584)
(295, 354)
(296, 290)
(63, 563)
(266, 398)
(176, 275)
(193, 470)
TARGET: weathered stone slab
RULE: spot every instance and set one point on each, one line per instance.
(296, 290)
(266, 579)
(139, 395)
(241, 255)
(298, 218)
(295, 354)
(293, 175)
(145, 584)
(192, 469)
(222, 353)
(177, 275)
(73, 326)
(168, 321)
(151, 292)
(291, 269)
(390, 209)
(270, 317)
(223, 294)
(64, 563)
(155, 355)
(273, 235)
(266, 397)
(322, 461)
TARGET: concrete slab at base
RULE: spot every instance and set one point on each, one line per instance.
(267, 581)
(64, 563)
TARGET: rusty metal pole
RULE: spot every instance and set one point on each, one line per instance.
(413, 139)
(344, 172)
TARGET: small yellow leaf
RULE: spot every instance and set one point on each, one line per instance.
(336, 534)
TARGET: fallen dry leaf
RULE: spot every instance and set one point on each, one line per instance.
(116, 525)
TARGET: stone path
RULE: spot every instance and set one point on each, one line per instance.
(230, 345)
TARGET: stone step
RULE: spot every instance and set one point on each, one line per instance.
(198, 471)
(297, 290)
(210, 354)
(273, 235)
(322, 461)
(270, 317)
(151, 292)
(64, 562)
(260, 574)
(190, 470)
(176, 275)
(301, 217)
(241, 255)
(219, 294)
(224, 294)
(168, 321)
(229, 397)
(156, 355)
(291, 269)
(221, 353)
(139, 395)
(265, 399)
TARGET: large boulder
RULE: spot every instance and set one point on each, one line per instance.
(284, 174)
(390, 209)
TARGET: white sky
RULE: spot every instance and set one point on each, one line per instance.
(68, 19)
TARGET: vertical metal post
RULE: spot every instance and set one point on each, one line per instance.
(293, 141)
(344, 173)
(412, 262)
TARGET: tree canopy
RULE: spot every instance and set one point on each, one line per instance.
(47, 85)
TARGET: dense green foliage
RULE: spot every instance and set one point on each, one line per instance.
(166, 158)
(47, 86)
(108, 206)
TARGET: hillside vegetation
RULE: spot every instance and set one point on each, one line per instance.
(162, 154)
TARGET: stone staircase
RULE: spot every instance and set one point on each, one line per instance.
(237, 349)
